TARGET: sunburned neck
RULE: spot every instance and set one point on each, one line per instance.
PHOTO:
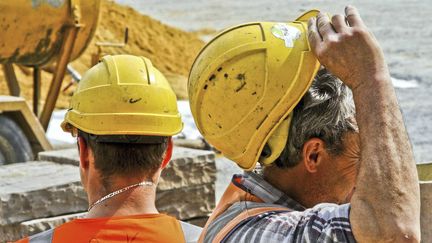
(290, 181)
(138, 199)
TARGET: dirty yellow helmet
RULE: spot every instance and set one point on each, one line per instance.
(124, 95)
(244, 84)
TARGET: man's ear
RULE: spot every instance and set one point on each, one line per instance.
(313, 153)
(83, 153)
(168, 154)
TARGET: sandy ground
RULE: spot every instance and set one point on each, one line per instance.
(400, 26)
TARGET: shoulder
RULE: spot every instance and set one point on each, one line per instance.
(229, 215)
(322, 223)
(328, 212)
(42, 237)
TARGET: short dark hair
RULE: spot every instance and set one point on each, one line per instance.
(327, 112)
(126, 159)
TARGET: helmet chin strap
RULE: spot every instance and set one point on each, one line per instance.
(168, 154)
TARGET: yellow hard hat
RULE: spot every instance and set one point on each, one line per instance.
(124, 95)
(244, 84)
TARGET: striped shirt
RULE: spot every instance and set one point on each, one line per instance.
(324, 222)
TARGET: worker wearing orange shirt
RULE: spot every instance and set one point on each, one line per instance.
(123, 115)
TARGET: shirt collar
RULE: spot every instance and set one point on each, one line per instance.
(256, 185)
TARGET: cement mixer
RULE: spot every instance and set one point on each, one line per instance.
(38, 33)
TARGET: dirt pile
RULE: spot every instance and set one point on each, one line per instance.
(171, 50)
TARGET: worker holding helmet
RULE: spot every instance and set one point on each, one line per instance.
(336, 163)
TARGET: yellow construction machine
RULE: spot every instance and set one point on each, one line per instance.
(37, 34)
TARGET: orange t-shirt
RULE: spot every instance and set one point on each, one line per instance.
(135, 228)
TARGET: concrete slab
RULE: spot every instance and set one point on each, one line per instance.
(39, 189)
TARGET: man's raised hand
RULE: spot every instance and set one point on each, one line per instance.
(346, 48)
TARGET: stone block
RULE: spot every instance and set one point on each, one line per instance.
(39, 189)
(188, 167)
(187, 202)
(11, 232)
(63, 156)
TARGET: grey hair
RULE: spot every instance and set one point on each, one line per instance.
(327, 112)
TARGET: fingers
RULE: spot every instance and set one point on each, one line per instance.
(313, 30)
(325, 27)
(353, 16)
(339, 24)
(322, 31)
(314, 37)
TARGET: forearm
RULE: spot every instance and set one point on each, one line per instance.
(386, 203)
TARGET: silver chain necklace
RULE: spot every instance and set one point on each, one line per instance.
(112, 194)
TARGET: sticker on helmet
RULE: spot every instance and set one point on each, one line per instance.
(287, 33)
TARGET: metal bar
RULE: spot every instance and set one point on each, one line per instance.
(11, 79)
(53, 93)
(36, 89)
(76, 76)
